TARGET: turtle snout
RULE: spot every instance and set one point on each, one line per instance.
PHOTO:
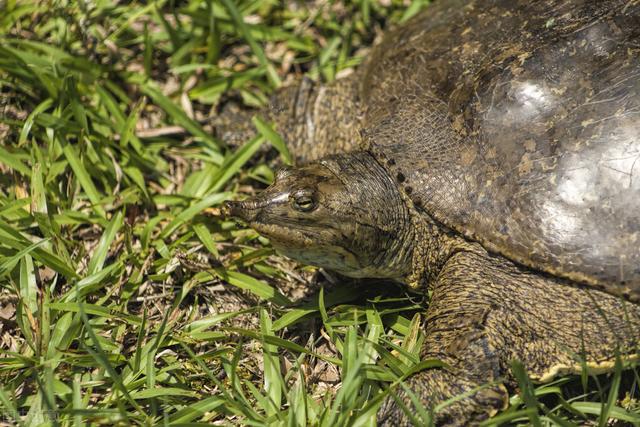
(246, 211)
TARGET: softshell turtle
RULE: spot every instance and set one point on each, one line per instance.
(489, 152)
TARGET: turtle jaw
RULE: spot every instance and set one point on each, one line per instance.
(309, 246)
(255, 212)
(265, 214)
(249, 210)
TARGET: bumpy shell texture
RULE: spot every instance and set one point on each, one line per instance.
(517, 124)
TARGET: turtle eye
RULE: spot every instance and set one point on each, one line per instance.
(304, 201)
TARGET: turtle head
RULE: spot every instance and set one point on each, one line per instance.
(342, 213)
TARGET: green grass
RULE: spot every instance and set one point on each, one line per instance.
(124, 298)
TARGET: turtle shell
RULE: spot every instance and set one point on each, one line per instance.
(517, 124)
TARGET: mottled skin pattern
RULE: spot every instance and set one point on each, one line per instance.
(486, 312)
(492, 150)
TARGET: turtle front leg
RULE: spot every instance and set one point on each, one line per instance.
(481, 397)
(457, 334)
(486, 312)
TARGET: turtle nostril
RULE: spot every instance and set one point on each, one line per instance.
(229, 209)
(243, 210)
(233, 209)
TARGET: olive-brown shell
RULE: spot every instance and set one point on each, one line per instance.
(517, 123)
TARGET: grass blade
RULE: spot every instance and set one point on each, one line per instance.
(613, 393)
(83, 177)
(255, 47)
(260, 288)
(101, 252)
(526, 390)
(272, 136)
(271, 367)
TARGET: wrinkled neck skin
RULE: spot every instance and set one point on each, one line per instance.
(384, 237)
(404, 244)
(346, 214)
(434, 245)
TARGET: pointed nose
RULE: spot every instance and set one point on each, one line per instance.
(243, 210)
